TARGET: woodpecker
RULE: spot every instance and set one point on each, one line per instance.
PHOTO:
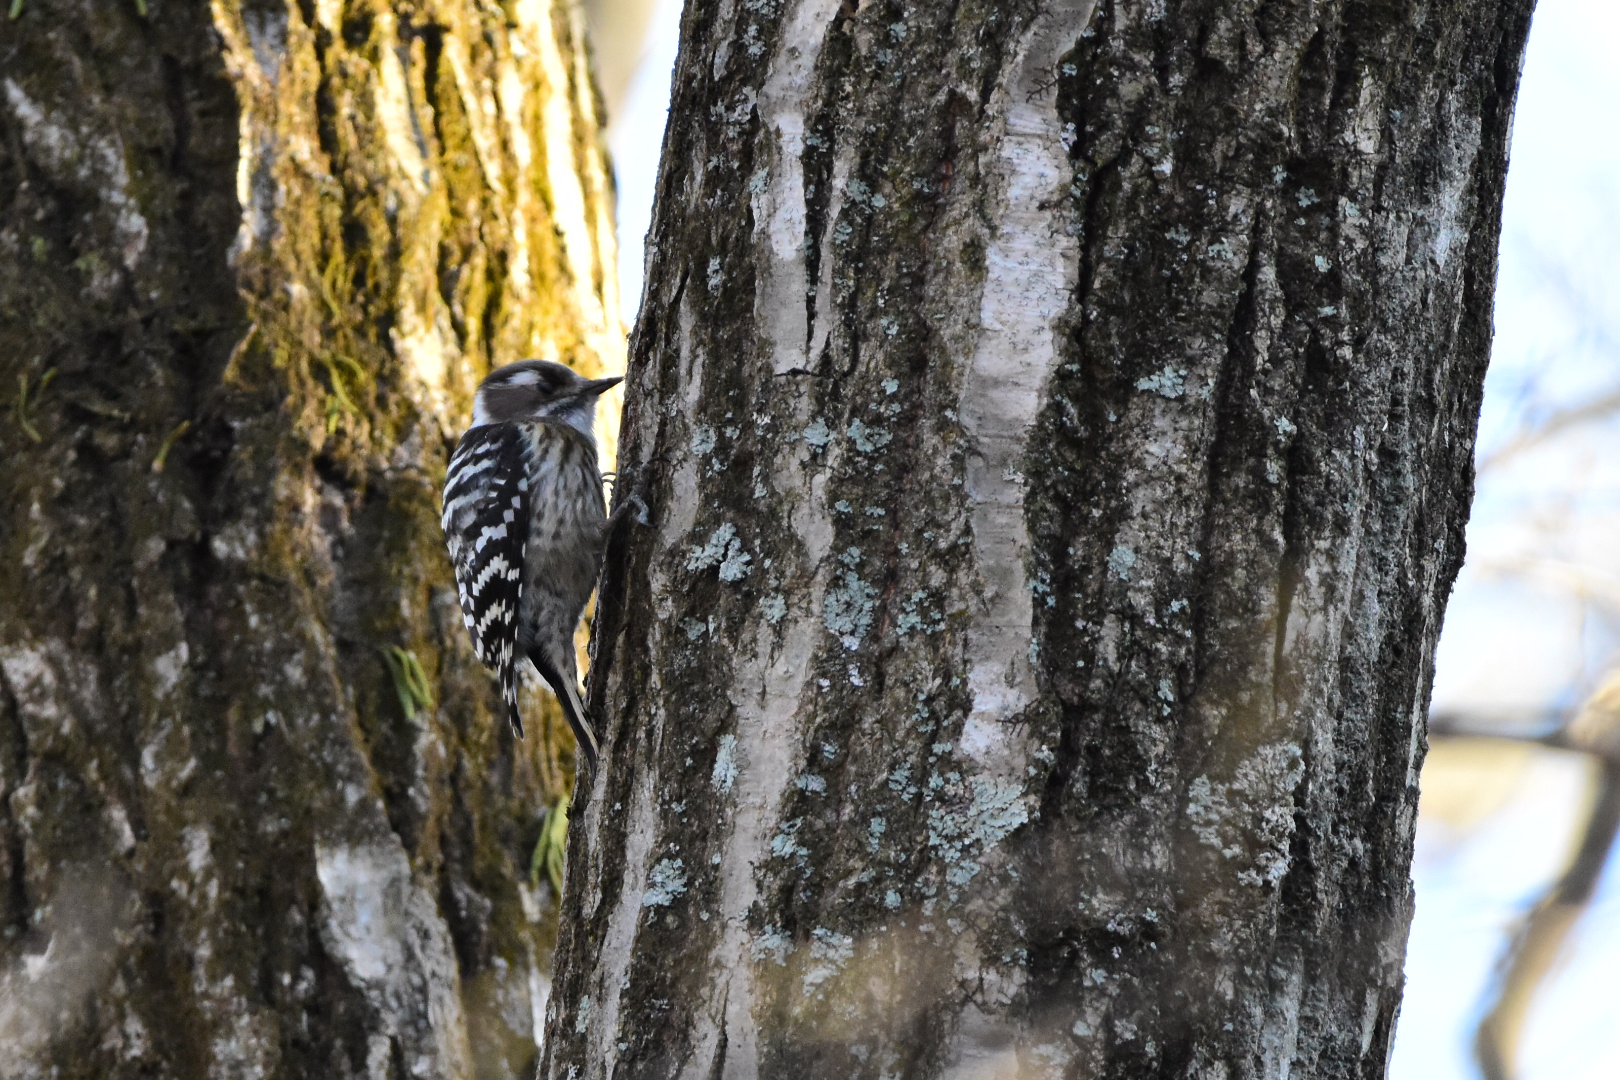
(525, 522)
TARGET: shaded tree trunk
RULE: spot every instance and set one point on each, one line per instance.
(259, 818)
(1060, 422)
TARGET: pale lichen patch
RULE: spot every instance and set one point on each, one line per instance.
(665, 882)
(725, 550)
(93, 162)
(387, 933)
(725, 764)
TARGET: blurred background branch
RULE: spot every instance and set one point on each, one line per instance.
(1542, 937)
(1536, 945)
(1550, 427)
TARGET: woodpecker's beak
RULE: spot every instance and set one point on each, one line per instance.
(595, 386)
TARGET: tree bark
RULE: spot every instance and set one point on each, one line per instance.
(260, 817)
(1059, 420)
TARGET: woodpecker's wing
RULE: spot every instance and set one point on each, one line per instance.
(486, 523)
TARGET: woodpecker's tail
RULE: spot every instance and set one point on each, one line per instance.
(510, 681)
(563, 683)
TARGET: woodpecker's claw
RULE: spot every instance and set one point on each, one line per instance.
(634, 485)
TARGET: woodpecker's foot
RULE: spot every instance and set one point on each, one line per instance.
(633, 504)
(634, 507)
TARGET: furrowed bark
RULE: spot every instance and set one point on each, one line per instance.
(254, 258)
(1059, 421)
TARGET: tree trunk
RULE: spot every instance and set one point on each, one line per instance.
(1059, 421)
(260, 818)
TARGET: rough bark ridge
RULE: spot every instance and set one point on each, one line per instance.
(1062, 417)
(253, 258)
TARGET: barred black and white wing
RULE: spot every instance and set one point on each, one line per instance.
(486, 523)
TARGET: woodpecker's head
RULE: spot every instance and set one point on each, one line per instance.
(538, 390)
